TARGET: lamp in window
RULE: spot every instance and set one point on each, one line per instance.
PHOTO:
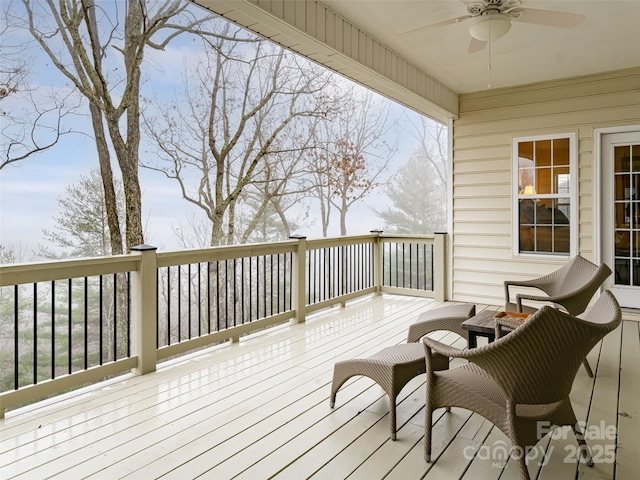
(529, 190)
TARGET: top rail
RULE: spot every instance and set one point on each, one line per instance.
(23, 273)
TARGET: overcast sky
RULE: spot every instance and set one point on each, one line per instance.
(29, 189)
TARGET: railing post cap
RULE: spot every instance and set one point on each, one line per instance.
(143, 248)
(297, 237)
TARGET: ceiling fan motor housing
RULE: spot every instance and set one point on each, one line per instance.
(490, 26)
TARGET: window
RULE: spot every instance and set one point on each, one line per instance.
(544, 207)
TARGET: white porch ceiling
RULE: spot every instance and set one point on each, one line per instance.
(608, 39)
(366, 40)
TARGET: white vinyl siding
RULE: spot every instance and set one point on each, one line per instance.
(482, 235)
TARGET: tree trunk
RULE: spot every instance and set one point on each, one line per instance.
(104, 159)
(134, 46)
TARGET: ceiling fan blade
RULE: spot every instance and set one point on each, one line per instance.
(549, 18)
(436, 25)
(476, 45)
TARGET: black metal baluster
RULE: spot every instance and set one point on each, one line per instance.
(70, 349)
(424, 264)
(411, 265)
(115, 314)
(280, 303)
(250, 288)
(218, 295)
(53, 329)
(128, 314)
(179, 306)
(264, 284)
(242, 290)
(168, 305)
(290, 280)
(404, 265)
(226, 293)
(209, 297)
(86, 323)
(308, 260)
(189, 299)
(199, 299)
(100, 312)
(16, 325)
(35, 333)
(157, 309)
(397, 268)
(235, 295)
(432, 285)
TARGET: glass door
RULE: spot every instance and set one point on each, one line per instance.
(621, 214)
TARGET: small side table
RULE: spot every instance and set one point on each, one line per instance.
(482, 325)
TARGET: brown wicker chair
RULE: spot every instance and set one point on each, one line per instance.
(570, 288)
(524, 377)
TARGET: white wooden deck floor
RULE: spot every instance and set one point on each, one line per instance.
(260, 409)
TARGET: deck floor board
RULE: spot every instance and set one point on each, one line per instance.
(260, 409)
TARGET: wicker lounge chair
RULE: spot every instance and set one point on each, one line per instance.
(523, 377)
(570, 288)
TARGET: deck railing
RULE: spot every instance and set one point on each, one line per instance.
(67, 323)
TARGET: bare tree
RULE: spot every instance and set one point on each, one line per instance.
(32, 119)
(100, 47)
(238, 129)
(353, 155)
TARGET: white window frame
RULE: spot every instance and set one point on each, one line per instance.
(573, 195)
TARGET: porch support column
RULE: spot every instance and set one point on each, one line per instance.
(377, 261)
(144, 310)
(298, 282)
(440, 266)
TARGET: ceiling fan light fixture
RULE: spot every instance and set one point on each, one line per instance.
(488, 28)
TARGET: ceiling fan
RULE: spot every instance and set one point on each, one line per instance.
(492, 19)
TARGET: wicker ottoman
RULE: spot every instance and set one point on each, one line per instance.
(448, 318)
(393, 367)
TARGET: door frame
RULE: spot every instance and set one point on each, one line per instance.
(599, 183)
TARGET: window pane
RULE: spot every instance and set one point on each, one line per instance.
(526, 178)
(621, 244)
(561, 151)
(561, 239)
(562, 180)
(621, 159)
(543, 181)
(623, 192)
(622, 215)
(525, 150)
(543, 153)
(544, 239)
(527, 239)
(622, 272)
(636, 272)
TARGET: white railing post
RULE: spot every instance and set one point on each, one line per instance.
(440, 266)
(143, 310)
(378, 253)
(298, 282)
